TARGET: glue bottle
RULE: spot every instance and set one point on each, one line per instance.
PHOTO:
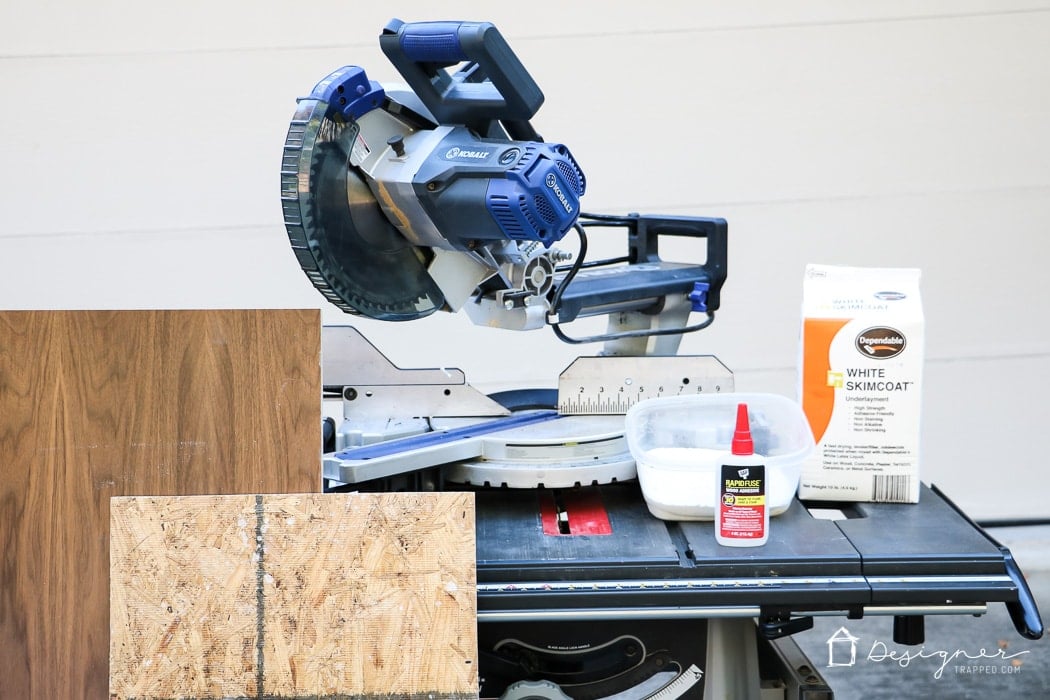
(742, 512)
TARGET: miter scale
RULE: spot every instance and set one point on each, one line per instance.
(611, 385)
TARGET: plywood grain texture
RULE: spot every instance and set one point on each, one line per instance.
(294, 596)
(101, 404)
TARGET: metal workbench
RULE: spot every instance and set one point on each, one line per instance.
(567, 577)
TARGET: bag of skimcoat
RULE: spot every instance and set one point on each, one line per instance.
(861, 379)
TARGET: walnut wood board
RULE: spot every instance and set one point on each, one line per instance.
(294, 596)
(95, 404)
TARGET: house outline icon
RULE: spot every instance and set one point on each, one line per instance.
(841, 644)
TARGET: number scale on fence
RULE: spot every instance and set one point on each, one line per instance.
(611, 385)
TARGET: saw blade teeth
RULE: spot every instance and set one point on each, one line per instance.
(386, 280)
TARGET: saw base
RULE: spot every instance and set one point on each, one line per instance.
(570, 451)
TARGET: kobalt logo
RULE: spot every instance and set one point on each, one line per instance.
(881, 342)
(457, 152)
(509, 156)
(552, 183)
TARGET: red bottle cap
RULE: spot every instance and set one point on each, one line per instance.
(742, 444)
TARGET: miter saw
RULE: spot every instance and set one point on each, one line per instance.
(439, 195)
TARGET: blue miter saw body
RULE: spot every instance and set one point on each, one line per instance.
(440, 195)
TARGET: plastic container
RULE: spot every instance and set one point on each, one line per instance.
(678, 444)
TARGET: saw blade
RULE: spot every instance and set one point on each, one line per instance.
(344, 244)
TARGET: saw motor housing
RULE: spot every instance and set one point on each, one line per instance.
(401, 201)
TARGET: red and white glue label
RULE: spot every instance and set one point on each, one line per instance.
(742, 505)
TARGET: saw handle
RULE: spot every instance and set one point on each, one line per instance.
(493, 86)
(432, 42)
(646, 276)
(643, 244)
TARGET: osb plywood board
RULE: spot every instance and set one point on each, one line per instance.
(95, 404)
(294, 596)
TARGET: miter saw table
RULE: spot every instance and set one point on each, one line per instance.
(589, 569)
